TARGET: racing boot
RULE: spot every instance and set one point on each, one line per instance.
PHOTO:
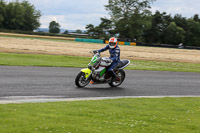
(115, 77)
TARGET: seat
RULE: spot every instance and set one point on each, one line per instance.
(123, 64)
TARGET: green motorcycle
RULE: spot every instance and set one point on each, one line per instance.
(96, 72)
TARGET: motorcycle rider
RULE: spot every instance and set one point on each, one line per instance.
(114, 51)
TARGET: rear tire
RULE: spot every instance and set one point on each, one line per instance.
(121, 74)
(81, 81)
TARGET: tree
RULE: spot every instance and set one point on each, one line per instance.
(139, 23)
(98, 31)
(19, 16)
(94, 31)
(191, 27)
(192, 33)
(174, 34)
(196, 18)
(66, 32)
(78, 31)
(14, 16)
(180, 21)
(159, 22)
(31, 17)
(54, 27)
(125, 8)
(103, 30)
(90, 29)
(106, 27)
(2, 13)
(125, 12)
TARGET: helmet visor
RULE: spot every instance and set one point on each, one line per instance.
(112, 43)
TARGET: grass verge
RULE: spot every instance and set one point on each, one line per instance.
(174, 115)
(11, 59)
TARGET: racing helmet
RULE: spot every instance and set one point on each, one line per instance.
(113, 42)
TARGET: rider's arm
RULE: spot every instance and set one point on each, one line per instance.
(103, 49)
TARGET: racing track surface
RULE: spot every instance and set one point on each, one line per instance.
(59, 82)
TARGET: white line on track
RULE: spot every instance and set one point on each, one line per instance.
(42, 99)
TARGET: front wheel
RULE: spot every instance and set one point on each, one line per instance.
(81, 81)
(121, 75)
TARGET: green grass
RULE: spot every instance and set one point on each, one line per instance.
(42, 60)
(145, 115)
(164, 66)
(11, 59)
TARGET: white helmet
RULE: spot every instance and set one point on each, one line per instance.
(113, 42)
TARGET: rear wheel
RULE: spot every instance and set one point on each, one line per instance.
(121, 75)
(81, 81)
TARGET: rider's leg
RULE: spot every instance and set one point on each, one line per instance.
(111, 69)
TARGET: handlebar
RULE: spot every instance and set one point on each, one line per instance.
(94, 52)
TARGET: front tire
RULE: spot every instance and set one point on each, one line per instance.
(81, 81)
(121, 74)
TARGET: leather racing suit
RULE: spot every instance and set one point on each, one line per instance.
(114, 56)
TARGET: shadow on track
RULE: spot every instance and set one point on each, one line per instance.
(101, 88)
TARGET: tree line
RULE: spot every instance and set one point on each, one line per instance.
(130, 20)
(133, 20)
(23, 16)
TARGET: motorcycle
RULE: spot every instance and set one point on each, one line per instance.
(96, 73)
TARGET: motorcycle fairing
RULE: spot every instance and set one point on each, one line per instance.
(87, 72)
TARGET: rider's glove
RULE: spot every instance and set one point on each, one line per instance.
(109, 61)
(95, 51)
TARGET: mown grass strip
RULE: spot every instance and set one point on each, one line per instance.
(164, 66)
(147, 115)
(11, 59)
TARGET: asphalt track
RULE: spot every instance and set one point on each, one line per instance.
(58, 82)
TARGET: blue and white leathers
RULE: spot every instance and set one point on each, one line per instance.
(114, 56)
